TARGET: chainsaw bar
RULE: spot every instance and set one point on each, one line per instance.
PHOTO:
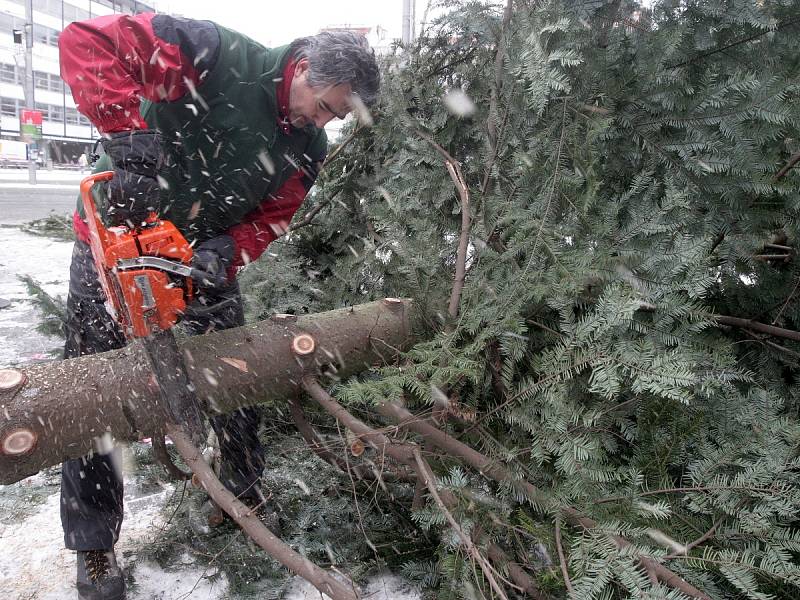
(177, 391)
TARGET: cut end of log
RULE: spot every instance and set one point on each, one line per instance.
(303, 344)
(393, 303)
(11, 379)
(357, 448)
(18, 442)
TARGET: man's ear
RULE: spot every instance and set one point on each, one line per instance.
(300, 67)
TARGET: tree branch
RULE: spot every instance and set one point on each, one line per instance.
(707, 535)
(318, 447)
(404, 453)
(756, 326)
(400, 452)
(517, 574)
(795, 158)
(497, 84)
(561, 558)
(330, 158)
(163, 457)
(611, 19)
(454, 169)
(247, 520)
(427, 476)
(733, 44)
(501, 474)
(309, 216)
(461, 254)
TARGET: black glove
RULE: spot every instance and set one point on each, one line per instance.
(133, 193)
(211, 261)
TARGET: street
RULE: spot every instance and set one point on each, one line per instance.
(20, 202)
(19, 205)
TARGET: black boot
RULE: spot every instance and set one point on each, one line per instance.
(99, 577)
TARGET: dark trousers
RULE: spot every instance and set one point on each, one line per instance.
(91, 487)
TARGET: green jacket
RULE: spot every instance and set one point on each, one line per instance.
(225, 151)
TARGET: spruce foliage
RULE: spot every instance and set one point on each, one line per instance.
(625, 172)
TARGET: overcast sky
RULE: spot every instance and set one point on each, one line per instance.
(277, 22)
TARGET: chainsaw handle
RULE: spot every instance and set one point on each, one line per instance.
(86, 190)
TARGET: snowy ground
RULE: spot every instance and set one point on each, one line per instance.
(33, 561)
(47, 262)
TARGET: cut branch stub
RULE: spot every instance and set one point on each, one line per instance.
(11, 380)
(355, 444)
(393, 302)
(19, 442)
(303, 344)
(284, 318)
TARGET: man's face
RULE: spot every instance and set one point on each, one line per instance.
(316, 105)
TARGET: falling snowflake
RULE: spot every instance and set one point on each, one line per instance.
(458, 103)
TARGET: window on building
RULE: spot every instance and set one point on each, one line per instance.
(73, 13)
(43, 108)
(48, 81)
(9, 107)
(54, 8)
(41, 80)
(51, 112)
(8, 73)
(9, 23)
(41, 5)
(72, 117)
(45, 35)
(56, 113)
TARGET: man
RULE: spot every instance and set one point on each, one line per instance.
(223, 138)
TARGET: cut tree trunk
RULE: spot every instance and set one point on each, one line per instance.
(55, 411)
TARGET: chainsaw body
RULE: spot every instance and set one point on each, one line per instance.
(145, 272)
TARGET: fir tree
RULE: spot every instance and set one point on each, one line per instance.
(624, 175)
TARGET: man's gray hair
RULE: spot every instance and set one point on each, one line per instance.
(336, 57)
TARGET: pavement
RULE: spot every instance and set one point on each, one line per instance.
(65, 176)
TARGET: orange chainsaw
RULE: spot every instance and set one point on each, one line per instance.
(145, 272)
(147, 278)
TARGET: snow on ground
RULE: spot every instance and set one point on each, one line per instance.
(33, 561)
(382, 587)
(45, 260)
(35, 564)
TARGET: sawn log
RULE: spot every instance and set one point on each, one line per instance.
(50, 412)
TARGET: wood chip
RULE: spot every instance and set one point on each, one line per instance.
(235, 363)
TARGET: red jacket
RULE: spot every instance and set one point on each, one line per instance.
(112, 62)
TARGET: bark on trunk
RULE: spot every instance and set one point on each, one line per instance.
(54, 411)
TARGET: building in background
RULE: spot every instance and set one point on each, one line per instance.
(66, 133)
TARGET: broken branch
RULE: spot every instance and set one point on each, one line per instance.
(427, 476)
(251, 525)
